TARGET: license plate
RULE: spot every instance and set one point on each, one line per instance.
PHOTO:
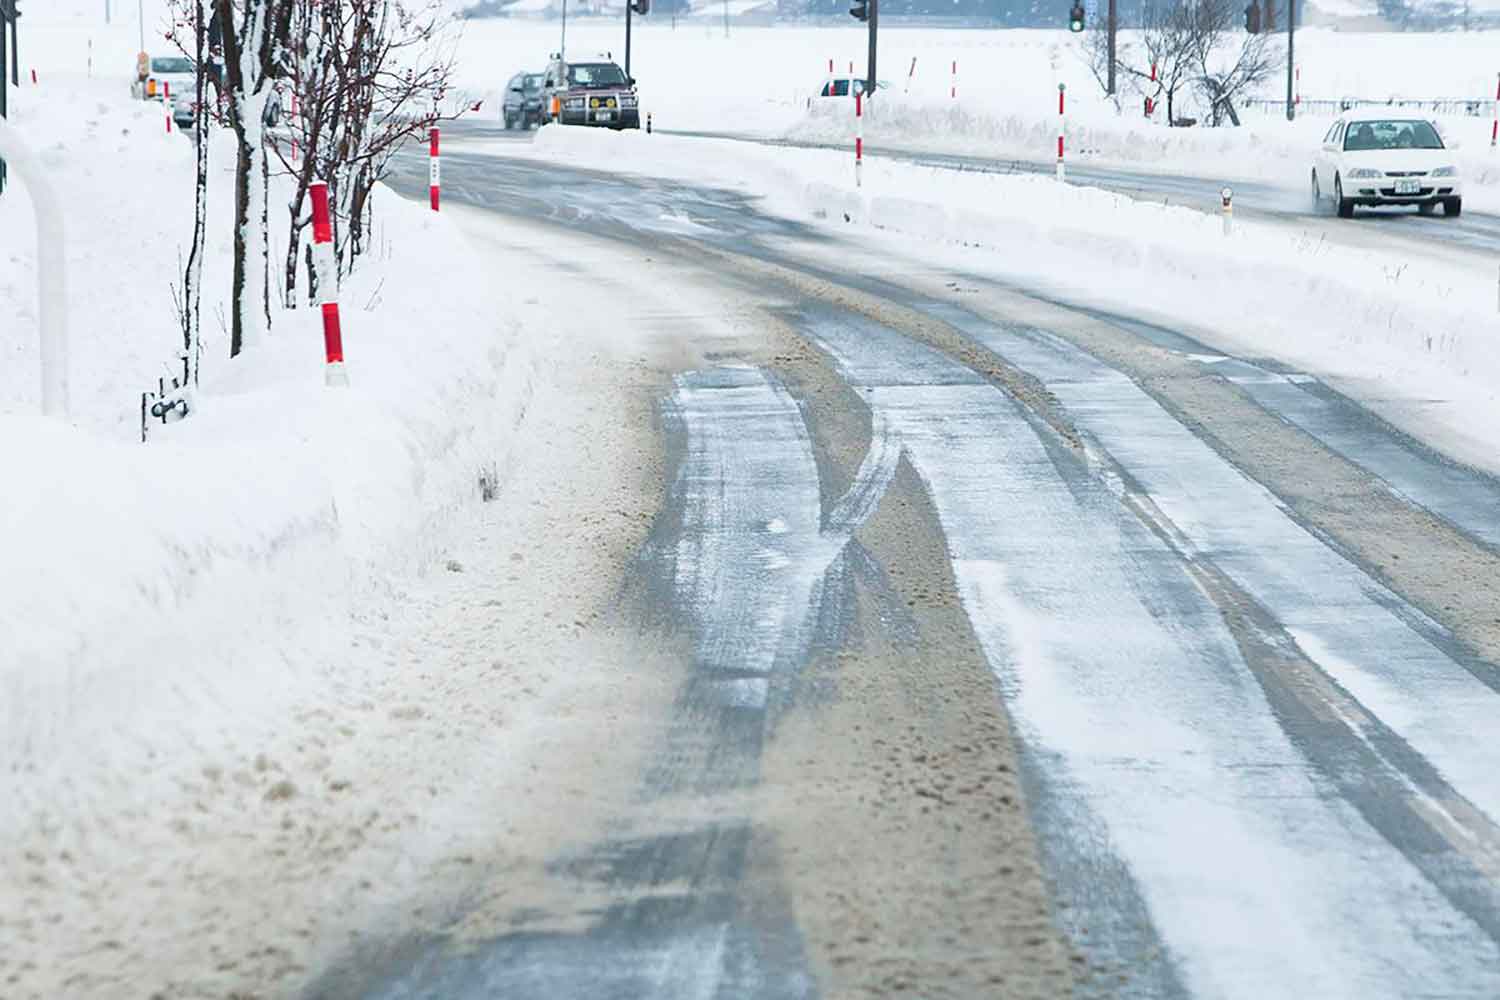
(1408, 185)
(603, 116)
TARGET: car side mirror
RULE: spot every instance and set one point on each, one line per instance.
(630, 80)
(516, 90)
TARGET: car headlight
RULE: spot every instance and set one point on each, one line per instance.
(627, 100)
(1445, 172)
(1363, 173)
(573, 103)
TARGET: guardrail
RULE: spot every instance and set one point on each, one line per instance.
(1449, 107)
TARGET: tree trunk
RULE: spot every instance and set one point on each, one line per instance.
(241, 226)
(193, 277)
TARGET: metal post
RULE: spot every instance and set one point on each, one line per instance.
(1113, 24)
(106, 11)
(140, 10)
(726, 18)
(870, 66)
(562, 46)
(1291, 61)
(629, 6)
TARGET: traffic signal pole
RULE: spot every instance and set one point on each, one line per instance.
(1291, 38)
(629, 7)
(1113, 24)
(870, 66)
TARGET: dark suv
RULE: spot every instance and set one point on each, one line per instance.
(590, 93)
(522, 107)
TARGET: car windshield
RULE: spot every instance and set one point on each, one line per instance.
(533, 83)
(1392, 135)
(171, 65)
(596, 75)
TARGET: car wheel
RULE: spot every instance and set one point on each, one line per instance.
(1346, 205)
(1317, 194)
(510, 123)
(1453, 207)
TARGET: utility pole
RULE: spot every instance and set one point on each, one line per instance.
(1291, 61)
(726, 18)
(562, 45)
(140, 11)
(106, 11)
(629, 9)
(1113, 24)
(870, 65)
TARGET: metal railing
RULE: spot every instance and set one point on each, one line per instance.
(1322, 107)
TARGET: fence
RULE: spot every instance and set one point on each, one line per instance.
(1315, 108)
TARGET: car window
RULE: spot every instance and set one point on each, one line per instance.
(1331, 131)
(169, 64)
(533, 82)
(596, 75)
(841, 88)
(1392, 135)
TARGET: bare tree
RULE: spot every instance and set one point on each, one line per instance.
(1191, 45)
(1157, 66)
(254, 34)
(366, 77)
(1227, 62)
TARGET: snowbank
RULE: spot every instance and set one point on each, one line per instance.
(181, 592)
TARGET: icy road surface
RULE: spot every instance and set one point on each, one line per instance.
(1031, 652)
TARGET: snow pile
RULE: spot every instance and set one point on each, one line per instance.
(182, 592)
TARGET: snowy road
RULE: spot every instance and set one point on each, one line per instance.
(1031, 651)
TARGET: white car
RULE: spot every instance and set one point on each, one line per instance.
(1370, 157)
(164, 75)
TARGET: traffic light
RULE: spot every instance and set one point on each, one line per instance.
(860, 10)
(1268, 16)
(641, 6)
(1075, 18)
(1252, 17)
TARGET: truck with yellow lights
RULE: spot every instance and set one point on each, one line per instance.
(594, 93)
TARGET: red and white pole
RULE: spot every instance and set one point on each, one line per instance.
(953, 83)
(328, 285)
(1062, 90)
(1297, 91)
(1495, 126)
(859, 139)
(911, 73)
(830, 65)
(1151, 101)
(434, 168)
(166, 99)
(851, 67)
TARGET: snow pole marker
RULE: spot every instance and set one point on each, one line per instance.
(1495, 126)
(328, 292)
(1226, 201)
(911, 73)
(858, 140)
(166, 99)
(953, 82)
(1062, 89)
(648, 123)
(434, 168)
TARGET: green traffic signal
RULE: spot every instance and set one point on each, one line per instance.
(1075, 20)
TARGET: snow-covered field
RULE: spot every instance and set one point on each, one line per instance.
(758, 81)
